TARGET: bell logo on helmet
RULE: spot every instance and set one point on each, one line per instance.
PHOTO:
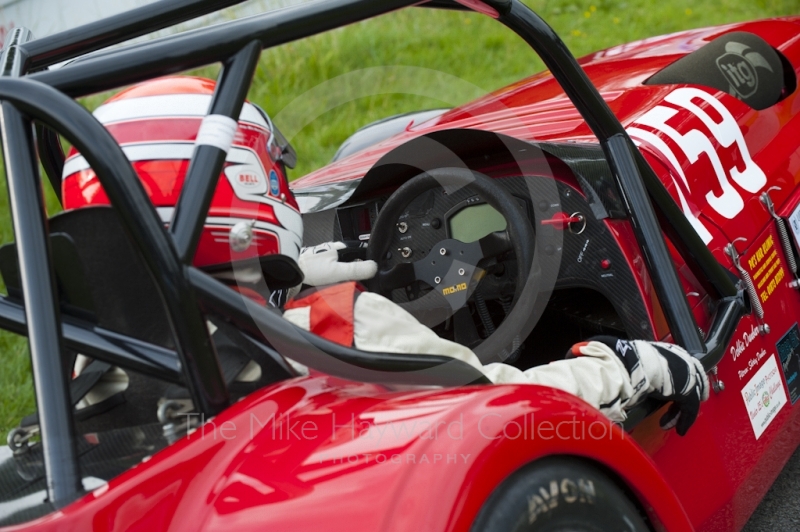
(740, 68)
(274, 183)
(247, 179)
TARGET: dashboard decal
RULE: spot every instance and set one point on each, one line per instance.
(721, 133)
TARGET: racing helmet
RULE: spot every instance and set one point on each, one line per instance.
(253, 220)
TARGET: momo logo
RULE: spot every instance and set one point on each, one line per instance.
(740, 68)
(453, 289)
(247, 179)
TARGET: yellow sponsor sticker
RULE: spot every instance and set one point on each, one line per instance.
(766, 268)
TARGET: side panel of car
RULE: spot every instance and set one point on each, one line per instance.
(517, 425)
(718, 157)
(313, 450)
(743, 435)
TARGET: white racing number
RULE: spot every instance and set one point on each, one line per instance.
(726, 201)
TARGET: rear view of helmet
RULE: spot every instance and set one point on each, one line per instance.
(253, 224)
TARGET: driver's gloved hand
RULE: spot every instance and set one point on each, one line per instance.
(665, 371)
(320, 265)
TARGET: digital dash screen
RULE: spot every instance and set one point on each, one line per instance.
(475, 222)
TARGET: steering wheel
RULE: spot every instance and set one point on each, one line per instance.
(453, 268)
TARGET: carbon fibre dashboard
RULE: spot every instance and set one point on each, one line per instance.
(574, 256)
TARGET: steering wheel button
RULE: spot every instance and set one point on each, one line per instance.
(605, 264)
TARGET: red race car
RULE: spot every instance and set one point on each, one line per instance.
(646, 192)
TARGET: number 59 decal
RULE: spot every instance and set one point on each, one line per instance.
(747, 175)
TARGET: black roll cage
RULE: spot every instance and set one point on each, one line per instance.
(29, 91)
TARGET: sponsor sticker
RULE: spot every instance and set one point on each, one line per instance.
(789, 352)
(739, 64)
(274, 183)
(794, 223)
(766, 268)
(246, 179)
(764, 396)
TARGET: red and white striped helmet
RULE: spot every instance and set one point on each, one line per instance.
(253, 213)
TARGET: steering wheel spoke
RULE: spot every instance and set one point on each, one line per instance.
(451, 269)
(495, 244)
(398, 276)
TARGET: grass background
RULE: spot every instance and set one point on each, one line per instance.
(457, 56)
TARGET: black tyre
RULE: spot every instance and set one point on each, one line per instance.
(559, 494)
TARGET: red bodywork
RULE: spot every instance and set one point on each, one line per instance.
(323, 453)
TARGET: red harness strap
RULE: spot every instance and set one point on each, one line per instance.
(331, 310)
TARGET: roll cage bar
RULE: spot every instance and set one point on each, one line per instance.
(30, 92)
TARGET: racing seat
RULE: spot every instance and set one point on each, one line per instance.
(102, 280)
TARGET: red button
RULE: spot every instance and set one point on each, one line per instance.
(605, 264)
(561, 220)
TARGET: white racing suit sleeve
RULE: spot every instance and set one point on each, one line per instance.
(598, 377)
(379, 325)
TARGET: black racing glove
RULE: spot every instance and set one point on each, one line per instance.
(665, 371)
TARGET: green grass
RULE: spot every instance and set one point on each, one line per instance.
(320, 90)
(472, 48)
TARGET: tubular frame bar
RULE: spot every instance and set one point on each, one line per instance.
(41, 308)
(97, 342)
(207, 161)
(51, 156)
(29, 219)
(114, 30)
(197, 48)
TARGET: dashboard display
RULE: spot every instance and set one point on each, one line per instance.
(475, 222)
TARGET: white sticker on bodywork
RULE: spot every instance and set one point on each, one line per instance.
(764, 396)
(794, 223)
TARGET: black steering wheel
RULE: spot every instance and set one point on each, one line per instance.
(454, 268)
